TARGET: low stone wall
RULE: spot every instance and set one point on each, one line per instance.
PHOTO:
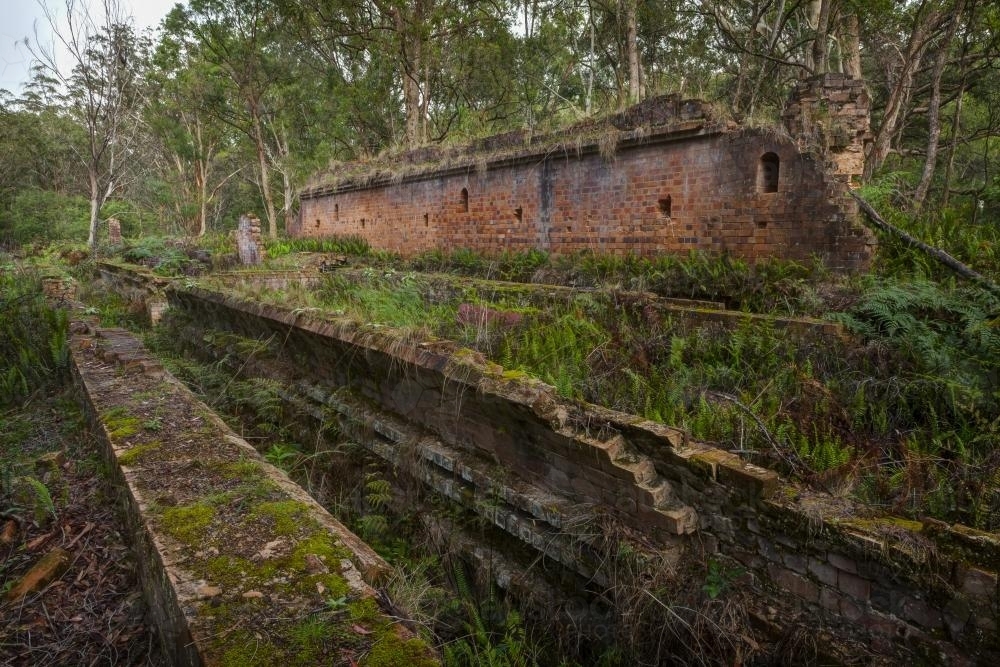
(136, 284)
(236, 560)
(905, 588)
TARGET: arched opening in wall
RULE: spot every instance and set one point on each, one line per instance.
(465, 200)
(362, 223)
(519, 213)
(427, 219)
(767, 173)
(664, 206)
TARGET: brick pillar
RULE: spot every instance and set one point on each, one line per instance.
(830, 115)
(114, 232)
(248, 239)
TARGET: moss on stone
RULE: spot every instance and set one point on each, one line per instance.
(244, 469)
(237, 572)
(122, 427)
(389, 650)
(880, 524)
(244, 650)
(365, 610)
(320, 543)
(289, 516)
(135, 454)
(188, 523)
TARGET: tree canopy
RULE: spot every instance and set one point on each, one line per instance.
(231, 106)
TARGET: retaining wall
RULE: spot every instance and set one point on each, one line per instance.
(236, 561)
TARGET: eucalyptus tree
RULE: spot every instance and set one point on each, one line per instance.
(238, 44)
(104, 92)
(195, 149)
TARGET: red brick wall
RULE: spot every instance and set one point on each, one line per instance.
(569, 202)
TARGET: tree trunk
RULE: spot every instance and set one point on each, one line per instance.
(201, 184)
(936, 253)
(850, 44)
(819, 47)
(410, 60)
(956, 122)
(934, 109)
(900, 93)
(635, 92)
(284, 152)
(95, 209)
(265, 173)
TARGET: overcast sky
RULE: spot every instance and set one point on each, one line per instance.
(19, 18)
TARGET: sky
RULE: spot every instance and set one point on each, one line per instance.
(19, 19)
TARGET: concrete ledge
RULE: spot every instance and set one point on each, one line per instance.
(238, 564)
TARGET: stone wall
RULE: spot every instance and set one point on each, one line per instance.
(890, 587)
(226, 583)
(679, 183)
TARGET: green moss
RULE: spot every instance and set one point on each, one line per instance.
(122, 427)
(289, 516)
(309, 638)
(366, 611)
(233, 571)
(133, 455)
(244, 650)
(188, 523)
(320, 543)
(879, 524)
(244, 469)
(389, 651)
(334, 585)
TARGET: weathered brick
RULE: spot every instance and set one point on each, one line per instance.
(842, 563)
(856, 587)
(794, 583)
(566, 202)
(922, 614)
(830, 599)
(795, 562)
(979, 584)
(823, 572)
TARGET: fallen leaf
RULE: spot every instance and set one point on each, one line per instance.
(38, 541)
(360, 630)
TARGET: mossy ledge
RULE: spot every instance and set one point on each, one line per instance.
(237, 562)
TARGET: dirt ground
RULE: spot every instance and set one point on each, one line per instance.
(93, 613)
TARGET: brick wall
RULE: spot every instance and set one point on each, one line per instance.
(686, 185)
(532, 462)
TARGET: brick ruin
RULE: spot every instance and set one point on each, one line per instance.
(551, 480)
(249, 244)
(664, 176)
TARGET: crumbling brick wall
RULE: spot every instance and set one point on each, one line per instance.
(249, 244)
(685, 183)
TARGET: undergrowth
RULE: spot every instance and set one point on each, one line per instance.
(33, 336)
(904, 412)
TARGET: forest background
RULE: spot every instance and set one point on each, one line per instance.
(232, 106)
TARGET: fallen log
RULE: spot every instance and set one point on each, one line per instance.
(941, 256)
